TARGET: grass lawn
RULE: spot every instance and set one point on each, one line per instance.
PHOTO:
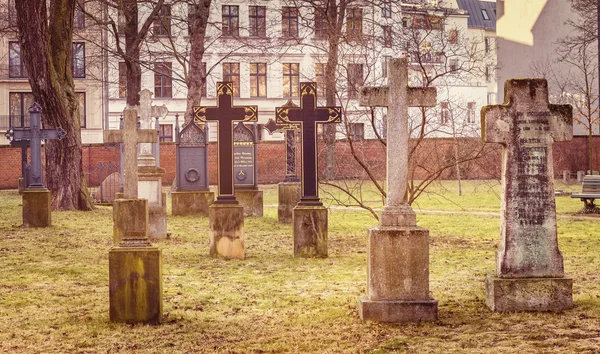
(54, 286)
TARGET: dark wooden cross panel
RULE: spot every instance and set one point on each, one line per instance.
(309, 115)
(225, 114)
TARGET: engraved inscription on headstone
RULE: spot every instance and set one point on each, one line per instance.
(244, 152)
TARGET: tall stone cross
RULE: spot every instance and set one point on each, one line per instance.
(34, 134)
(526, 125)
(308, 115)
(289, 129)
(147, 112)
(130, 137)
(225, 114)
(397, 97)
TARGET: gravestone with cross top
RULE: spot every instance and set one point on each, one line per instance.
(225, 114)
(290, 130)
(529, 265)
(308, 115)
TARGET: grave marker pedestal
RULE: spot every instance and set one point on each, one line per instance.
(397, 249)
(529, 266)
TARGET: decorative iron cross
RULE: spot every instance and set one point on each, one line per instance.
(225, 114)
(308, 115)
(290, 130)
(34, 134)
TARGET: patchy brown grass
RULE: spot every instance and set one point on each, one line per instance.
(54, 290)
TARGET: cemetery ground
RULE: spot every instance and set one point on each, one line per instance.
(54, 285)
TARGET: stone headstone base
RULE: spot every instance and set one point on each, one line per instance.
(129, 215)
(397, 311)
(135, 278)
(37, 211)
(157, 217)
(226, 230)
(21, 185)
(191, 202)
(251, 201)
(528, 294)
(289, 196)
(310, 231)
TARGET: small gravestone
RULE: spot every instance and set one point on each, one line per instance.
(245, 171)
(529, 266)
(192, 195)
(109, 188)
(567, 176)
(580, 175)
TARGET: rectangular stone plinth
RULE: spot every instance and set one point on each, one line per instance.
(398, 263)
(37, 210)
(289, 196)
(310, 231)
(135, 279)
(528, 294)
(129, 215)
(251, 201)
(226, 230)
(191, 202)
(397, 311)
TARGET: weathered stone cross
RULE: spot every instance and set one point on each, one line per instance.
(147, 112)
(397, 97)
(130, 136)
(526, 125)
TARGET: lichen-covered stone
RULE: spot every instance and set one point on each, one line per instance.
(226, 231)
(129, 215)
(529, 294)
(191, 202)
(289, 196)
(310, 231)
(251, 200)
(37, 210)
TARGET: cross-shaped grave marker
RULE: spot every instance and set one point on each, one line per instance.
(308, 115)
(225, 114)
(149, 155)
(130, 136)
(397, 97)
(290, 130)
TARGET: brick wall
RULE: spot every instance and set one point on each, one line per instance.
(271, 160)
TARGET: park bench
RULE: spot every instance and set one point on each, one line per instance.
(590, 190)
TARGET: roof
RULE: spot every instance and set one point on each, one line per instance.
(475, 9)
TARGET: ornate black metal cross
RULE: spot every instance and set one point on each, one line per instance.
(225, 114)
(290, 130)
(308, 115)
(34, 134)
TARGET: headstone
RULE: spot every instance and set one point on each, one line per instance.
(309, 216)
(398, 250)
(245, 171)
(135, 266)
(192, 195)
(109, 188)
(226, 216)
(37, 211)
(567, 176)
(580, 175)
(529, 266)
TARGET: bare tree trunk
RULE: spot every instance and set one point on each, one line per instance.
(132, 53)
(47, 53)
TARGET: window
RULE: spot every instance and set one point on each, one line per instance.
(488, 74)
(384, 65)
(16, 67)
(231, 73)
(453, 36)
(18, 108)
(12, 13)
(78, 60)
(354, 23)
(485, 14)
(162, 23)
(386, 10)
(162, 80)
(491, 98)
(445, 116)
(258, 21)
(356, 131)
(289, 22)
(453, 65)
(291, 79)
(165, 133)
(471, 112)
(121, 22)
(122, 79)
(320, 23)
(487, 42)
(387, 36)
(405, 22)
(258, 80)
(355, 79)
(203, 89)
(231, 20)
(320, 79)
(82, 115)
(79, 19)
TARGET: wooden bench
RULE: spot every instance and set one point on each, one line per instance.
(590, 190)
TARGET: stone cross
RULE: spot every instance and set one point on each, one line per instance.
(225, 114)
(130, 136)
(147, 112)
(397, 97)
(290, 130)
(308, 115)
(526, 125)
(34, 134)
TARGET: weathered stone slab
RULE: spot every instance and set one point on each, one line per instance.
(289, 195)
(226, 231)
(251, 201)
(529, 294)
(109, 187)
(37, 211)
(129, 216)
(21, 185)
(310, 231)
(191, 203)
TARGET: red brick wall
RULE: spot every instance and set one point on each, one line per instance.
(271, 160)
